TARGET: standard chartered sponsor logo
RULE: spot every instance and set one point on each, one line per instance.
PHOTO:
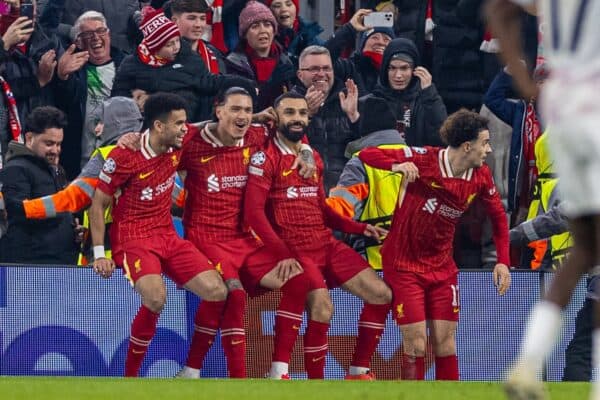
(147, 194)
(294, 192)
(216, 183)
(163, 187)
(431, 205)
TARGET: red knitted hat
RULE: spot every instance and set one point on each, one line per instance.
(157, 30)
(255, 12)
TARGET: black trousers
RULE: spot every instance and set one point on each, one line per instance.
(578, 356)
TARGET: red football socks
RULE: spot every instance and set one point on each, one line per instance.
(413, 368)
(315, 349)
(289, 317)
(233, 334)
(143, 328)
(370, 328)
(206, 323)
(446, 368)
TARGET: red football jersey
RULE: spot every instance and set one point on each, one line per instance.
(296, 206)
(428, 210)
(141, 182)
(215, 183)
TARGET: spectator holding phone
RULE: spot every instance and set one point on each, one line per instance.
(31, 57)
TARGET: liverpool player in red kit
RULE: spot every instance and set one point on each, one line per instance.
(295, 225)
(440, 184)
(216, 164)
(142, 236)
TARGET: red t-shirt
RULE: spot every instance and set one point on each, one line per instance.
(295, 206)
(141, 182)
(429, 209)
(215, 183)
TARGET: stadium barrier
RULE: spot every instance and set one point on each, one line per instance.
(63, 321)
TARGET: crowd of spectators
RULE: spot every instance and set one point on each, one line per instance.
(75, 55)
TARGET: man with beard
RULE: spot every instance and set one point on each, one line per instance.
(288, 212)
(142, 236)
(216, 164)
(32, 170)
(86, 73)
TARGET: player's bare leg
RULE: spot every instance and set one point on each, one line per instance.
(153, 293)
(320, 310)
(545, 320)
(288, 317)
(414, 343)
(443, 334)
(209, 286)
(377, 297)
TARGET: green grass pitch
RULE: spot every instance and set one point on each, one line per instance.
(50, 388)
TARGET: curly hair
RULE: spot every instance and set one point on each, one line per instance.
(462, 126)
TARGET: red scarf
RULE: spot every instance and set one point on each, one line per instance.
(215, 20)
(376, 58)
(13, 114)
(531, 133)
(148, 58)
(209, 58)
(263, 66)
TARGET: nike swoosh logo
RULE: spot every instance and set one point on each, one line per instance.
(138, 352)
(287, 172)
(436, 185)
(296, 327)
(145, 175)
(456, 310)
(206, 159)
(315, 359)
(236, 342)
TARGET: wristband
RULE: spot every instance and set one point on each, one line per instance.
(305, 146)
(99, 252)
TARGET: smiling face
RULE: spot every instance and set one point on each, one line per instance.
(316, 70)
(173, 129)
(46, 145)
(377, 42)
(234, 116)
(191, 24)
(285, 12)
(94, 38)
(260, 36)
(293, 118)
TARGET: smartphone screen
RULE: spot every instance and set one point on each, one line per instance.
(26, 10)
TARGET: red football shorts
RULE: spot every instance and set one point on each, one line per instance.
(229, 257)
(178, 259)
(332, 265)
(421, 296)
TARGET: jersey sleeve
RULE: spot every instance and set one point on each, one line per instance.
(116, 171)
(260, 178)
(385, 158)
(495, 210)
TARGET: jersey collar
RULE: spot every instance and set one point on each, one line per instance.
(446, 169)
(212, 139)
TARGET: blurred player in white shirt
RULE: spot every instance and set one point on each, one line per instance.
(571, 108)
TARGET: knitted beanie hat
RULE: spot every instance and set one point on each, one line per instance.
(255, 12)
(157, 30)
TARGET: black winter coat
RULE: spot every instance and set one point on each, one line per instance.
(49, 241)
(186, 76)
(329, 131)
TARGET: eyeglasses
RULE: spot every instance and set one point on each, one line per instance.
(316, 69)
(87, 35)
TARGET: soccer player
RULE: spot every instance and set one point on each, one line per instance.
(142, 235)
(216, 163)
(572, 52)
(296, 224)
(439, 184)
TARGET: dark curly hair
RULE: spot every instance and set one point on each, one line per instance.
(462, 126)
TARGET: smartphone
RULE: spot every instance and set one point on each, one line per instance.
(382, 19)
(4, 8)
(26, 10)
